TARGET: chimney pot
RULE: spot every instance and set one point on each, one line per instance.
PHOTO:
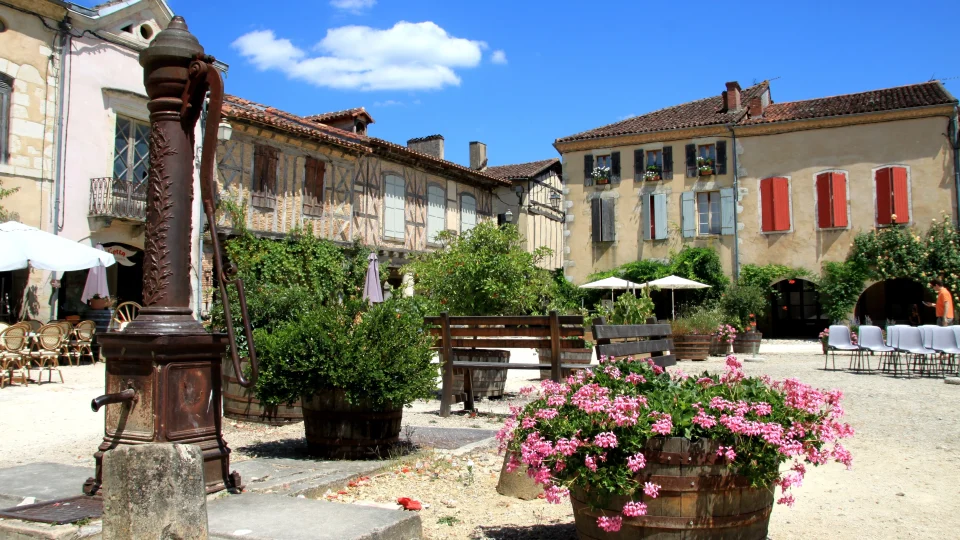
(431, 145)
(731, 100)
(478, 155)
(755, 107)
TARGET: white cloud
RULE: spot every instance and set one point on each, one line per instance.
(387, 103)
(498, 57)
(353, 6)
(408, 56)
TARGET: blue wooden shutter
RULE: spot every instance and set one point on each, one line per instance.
(645, 208)
(667, 173)
(588, 170)
(688, 215)
(393, 218)
(660, 216)
(728, 210)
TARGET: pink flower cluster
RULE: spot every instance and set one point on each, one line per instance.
(610, 524)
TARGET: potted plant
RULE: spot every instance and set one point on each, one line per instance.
(824, 338)
(652, 174)
(612, 439)
(601, 175)
(353, 367)
(704, 166)
(100, 302)
(741, 303)
(693, 333)
(486, 271)
(723, 339)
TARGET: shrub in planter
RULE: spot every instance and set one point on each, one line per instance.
(354, 368)
(606, 435)
(693, 333)
(632, 308)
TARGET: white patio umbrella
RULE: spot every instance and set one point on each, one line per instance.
(612, 283)
(673, 283)
(22, 246)
(96, 284)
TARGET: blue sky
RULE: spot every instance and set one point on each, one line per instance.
(563, 66)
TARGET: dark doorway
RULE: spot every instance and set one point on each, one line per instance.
(127, 284)
(796, 310)
(894, 300)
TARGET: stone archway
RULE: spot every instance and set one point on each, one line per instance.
(894, 300)
(795, 310)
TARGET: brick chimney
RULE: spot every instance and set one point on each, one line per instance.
(431, 145)
(755, 107)
(478, 156)
(731, 98)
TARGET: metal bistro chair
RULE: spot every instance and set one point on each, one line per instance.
(871, 341)
(911, 344)
(35, 325)
(12, 357)
(838, 340)
(47, 355)
(945, 343)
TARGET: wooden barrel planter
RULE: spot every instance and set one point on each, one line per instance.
(700, 497)
(692, 346)
(486, 382)
(747, 343)
(241, 403)
(336, 428)
(567, 356)
(719, 347)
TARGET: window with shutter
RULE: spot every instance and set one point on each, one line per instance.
(615, 167)
(721, 157)
(831, 190)
(706, 159)
(468, 213)
(775, 204)
(667, 163)
(393, 207)
(588, 170)
(708, 212)
(638, 165)
(602, 220)
(893, 195)
(654, 210)
(654, 168)
(603, 169)
(265, 160)
(313, 174)
(691, 160)
(436, 212)
(688, 214)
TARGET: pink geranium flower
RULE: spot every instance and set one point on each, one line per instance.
(651, 489)
(634, 509)
(610, 524)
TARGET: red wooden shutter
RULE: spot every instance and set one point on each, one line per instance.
(766, 201)
(838, 191)
(781, 204)
(823, 201)
(884, 192)
(900, 198)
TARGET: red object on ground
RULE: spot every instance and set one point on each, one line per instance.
(409, 504)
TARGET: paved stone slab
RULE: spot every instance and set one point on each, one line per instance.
(448, 438)
(254, 516)
(44, 481)
(300, 476)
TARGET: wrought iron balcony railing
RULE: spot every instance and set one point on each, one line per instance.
(115, 198)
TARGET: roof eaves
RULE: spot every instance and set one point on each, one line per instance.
(441, 164)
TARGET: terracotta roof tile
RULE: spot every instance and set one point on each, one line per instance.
(521, 170)
(346, 113)
(703, 112)
(484, 175)
(887, 99)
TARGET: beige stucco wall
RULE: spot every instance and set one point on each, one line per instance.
(353, 191)
(583, 256)
(531, 218)
(858, 150)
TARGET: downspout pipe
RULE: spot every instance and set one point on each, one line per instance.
(953, 135)
(736, 200)
(65, 40)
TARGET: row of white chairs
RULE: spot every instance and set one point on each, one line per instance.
(926, 349)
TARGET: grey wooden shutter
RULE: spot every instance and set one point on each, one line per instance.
(691, 151)
(727, 211)
(688, 214)
(607, 221)
(588, 170)
(667, 173)
(595, 213)
(638, 168)
(660, 216)
(645, 208)
(615, 167)
(721, 157)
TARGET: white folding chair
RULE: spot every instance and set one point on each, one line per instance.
(945, 342)
(871, 340)
(839, 340)
(911, 344)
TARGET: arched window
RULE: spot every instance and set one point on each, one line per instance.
(436, 211)
(468, 213)
(6, 89)
(393, 207)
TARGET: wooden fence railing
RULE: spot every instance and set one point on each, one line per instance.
(524, 332)
(619, 340)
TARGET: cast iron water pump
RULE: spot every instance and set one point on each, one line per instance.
(163, 370)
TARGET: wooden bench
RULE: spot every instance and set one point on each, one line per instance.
(521, 332)
(620, 340)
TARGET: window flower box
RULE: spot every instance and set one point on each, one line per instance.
(601, 175)
(705, 166)
(652, 174)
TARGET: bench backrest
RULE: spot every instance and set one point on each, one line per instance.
(521, 332)
(619, 340)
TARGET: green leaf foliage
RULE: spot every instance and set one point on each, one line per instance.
(485, 271)
(632, 309)
(742, 301)
(840, 288)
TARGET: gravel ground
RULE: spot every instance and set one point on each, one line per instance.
(904, 482)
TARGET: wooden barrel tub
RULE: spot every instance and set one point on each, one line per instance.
(335, 428)
(567, 356)
(700, 497)
(691, 346)
(486, 382)
(241, 403)
(747, 343)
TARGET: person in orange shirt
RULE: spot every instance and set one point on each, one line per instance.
(944, 303)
